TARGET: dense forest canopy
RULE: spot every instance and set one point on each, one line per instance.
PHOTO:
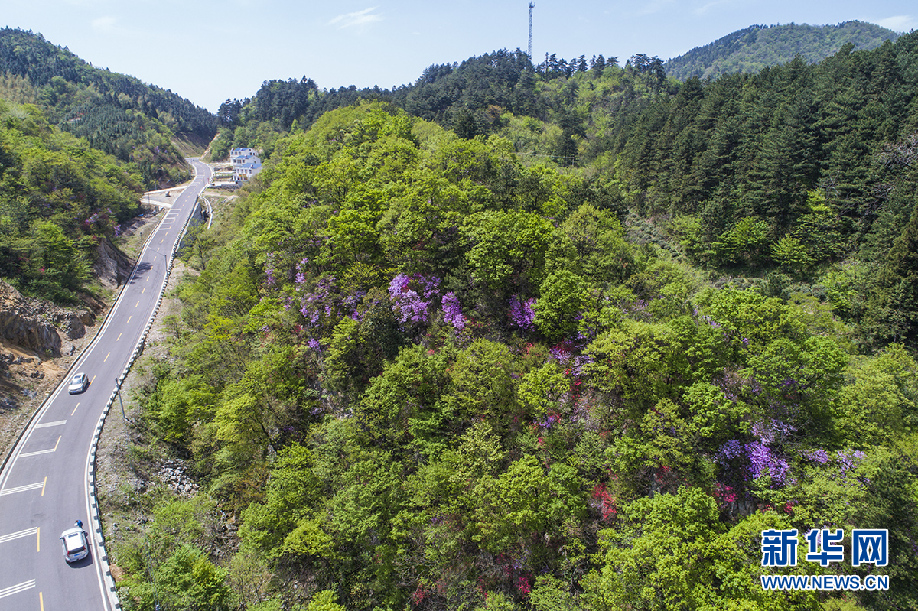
(520, 337)
(759, 46)
(469, 97)
(783, 173)
(58, 198)
(117, 114)
(573, 359)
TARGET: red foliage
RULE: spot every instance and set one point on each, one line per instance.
(418, 596)
(606, 501)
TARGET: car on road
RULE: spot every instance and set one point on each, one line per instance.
(78, 383)
(75, 543)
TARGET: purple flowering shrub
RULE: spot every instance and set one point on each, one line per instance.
(325, 304)
(270, 278)
(758, 458)
(522, 314)
(412, 296)
(818, 456)
(452, 311)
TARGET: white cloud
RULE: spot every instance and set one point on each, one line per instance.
(359, 19)
(104, 24)
(701, 10)
(899, 23)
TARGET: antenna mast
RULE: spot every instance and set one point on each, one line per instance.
(531, 6)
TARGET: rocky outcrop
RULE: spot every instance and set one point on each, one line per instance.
(37, 325)
(112, 266)
(175, 475)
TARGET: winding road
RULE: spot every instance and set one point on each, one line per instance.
(45, 484)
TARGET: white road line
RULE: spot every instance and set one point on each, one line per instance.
(54, 449)
(21, 488)
(18, 535)
(37, 452)
(19, 587)
(56, 423)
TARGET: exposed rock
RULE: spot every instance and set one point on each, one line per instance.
(37, 325)
(173, 474)
(7, 404)
(23, 323)
(112, 266)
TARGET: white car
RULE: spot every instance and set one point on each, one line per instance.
(78, 383)
(75, 543)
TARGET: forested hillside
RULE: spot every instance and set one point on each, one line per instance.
(470, 97)
(573, 342)
(760, 46)
(117, 114)
(798, 172)
(58, 198)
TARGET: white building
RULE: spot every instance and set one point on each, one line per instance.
(246, 164)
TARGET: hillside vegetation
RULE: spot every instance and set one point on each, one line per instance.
(801, 172)
(760, 46)
(517, 337)
(117, 114)
(428, 371)
(59, 197)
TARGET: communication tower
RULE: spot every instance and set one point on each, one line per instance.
(531, 6)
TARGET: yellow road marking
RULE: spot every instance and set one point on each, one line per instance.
(58, 442)
(93, 378)
(129, 318)
(119, 337)
(42, 601)
(106, 357)
(143, 291)
(75, 408)
(137, 304)
(43, 484)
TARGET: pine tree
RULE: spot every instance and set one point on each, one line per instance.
(893, 304)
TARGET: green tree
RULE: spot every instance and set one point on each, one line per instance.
(524, 504)
(324, 601)
(561, 297)
(507, 249)
(893, 303)
(743, 243)
(56, 267)
(791, 255)
(704, 567)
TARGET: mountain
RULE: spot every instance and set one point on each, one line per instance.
(758, 46)
(118, 114)
(428, 371)
(59, 200)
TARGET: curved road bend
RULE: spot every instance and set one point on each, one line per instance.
(44, 486)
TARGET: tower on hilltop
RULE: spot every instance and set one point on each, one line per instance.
(531, 6)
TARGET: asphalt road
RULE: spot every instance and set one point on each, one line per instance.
(44, 486)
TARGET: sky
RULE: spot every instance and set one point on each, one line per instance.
(209, 51)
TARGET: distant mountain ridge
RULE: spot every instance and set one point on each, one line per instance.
(117, 113)
(753, 48)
